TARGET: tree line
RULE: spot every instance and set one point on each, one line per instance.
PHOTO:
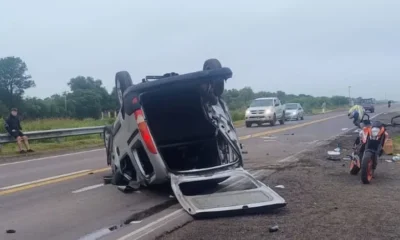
(88, 98)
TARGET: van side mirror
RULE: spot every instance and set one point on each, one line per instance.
(276, 104)
(395, 120)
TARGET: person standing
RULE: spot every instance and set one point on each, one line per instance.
(323, 107)
(13, 127)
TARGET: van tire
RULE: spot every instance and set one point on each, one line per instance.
(218, 84)
(122, 81)
(282, 120)
(118, 179)
(273, 122)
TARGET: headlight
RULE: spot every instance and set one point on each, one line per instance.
(247, 112)
(295, 112)
(374, 132)
(268, 111)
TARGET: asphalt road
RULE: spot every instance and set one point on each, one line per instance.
(62, 197)
(324, 201)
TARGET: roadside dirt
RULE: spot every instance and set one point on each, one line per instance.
(324, 202)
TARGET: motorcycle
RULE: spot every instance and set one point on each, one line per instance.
(372, 141)
(359, 147)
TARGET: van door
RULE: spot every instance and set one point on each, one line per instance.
(229, 190)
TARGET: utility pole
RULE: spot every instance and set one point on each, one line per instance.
(65, 102)
(350, 96)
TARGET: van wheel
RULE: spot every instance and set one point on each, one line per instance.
(107, 131)
(122, 81)
(218, 84)
(273, 122)
(282, 120)
(108, 143)
(118, 179)
(248, 125)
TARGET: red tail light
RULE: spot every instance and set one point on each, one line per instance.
(144, 131)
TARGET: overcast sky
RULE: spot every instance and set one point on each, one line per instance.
(317, 47)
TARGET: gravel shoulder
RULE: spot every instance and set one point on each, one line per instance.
(324, 202)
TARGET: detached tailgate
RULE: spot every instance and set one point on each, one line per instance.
(237, 190)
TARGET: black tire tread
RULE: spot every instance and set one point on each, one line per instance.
(364, 167)
(218, 84)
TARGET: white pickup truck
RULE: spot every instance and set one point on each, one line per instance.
(265, 110)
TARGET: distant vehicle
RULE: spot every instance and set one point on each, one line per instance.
(265, 110)
(368, 104)
(294, 111)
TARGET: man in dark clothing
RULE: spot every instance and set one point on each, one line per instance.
(13, 127)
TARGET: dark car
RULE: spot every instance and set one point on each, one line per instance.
(368, 105)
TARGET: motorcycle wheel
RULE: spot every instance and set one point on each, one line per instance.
(366, 167)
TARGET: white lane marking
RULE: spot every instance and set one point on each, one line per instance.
(88, 188)
(134, 222)
(269, 137)
(177, 212)
(170, 217)
(44, 179)
(344, 129)
(50, 157)
(96, 235)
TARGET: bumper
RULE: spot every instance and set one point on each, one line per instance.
(291, 116)
(259, 118)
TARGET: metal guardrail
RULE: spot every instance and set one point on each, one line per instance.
(55, 133)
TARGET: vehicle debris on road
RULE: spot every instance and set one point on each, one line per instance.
(396, 158)
(274, 229)
(10, 231)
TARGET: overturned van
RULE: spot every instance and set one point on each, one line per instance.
(177, 128)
